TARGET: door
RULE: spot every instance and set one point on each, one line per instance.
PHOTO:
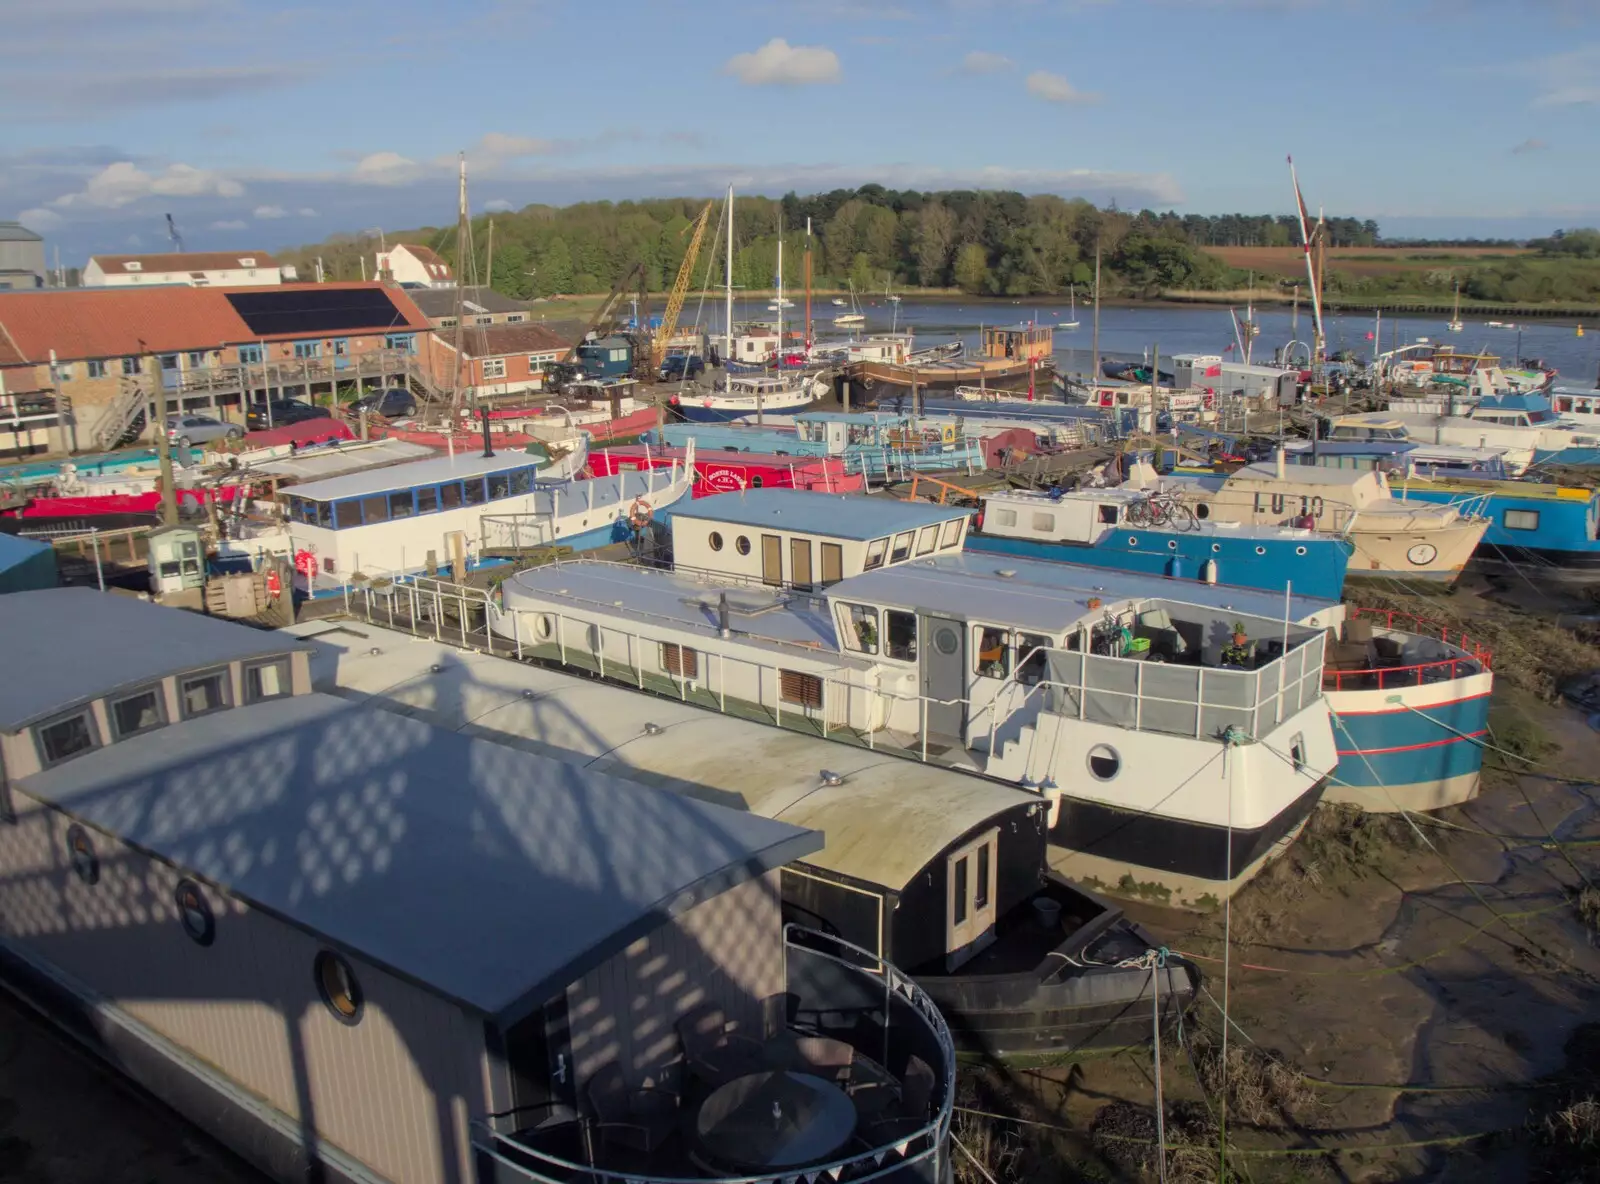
(944, 673)
(835, 437)
(772, 560)
(970, 879)
(341, 352)
(800, 563)
(171, 376)
(539, 1063)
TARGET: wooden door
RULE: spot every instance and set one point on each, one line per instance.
(971, 880)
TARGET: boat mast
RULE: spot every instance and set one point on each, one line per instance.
(463, 234)
(808, 285)
(780, 288)
(1319, 346)
(727, 324)
(1094, 375)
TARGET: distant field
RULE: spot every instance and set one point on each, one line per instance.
(1289, 262)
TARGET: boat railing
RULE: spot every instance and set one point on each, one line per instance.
(894, 1020)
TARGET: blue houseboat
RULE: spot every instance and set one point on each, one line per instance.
(1553, 530)
(880, 445)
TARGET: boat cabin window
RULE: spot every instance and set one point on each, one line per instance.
(832, 563)
(901, 630)
(499, 486)
(521, 482)
(375, 509)
(347, 514)
(860, 628)
(201, 694)
(902, 547)
(1044, 522)
(1522, 520)
(992, 652)
(472, 491)
(876, 550)
(1108, 513)
(952, 533)
(325, 515)
(1003, 517)
(427, 499)
(927, 540)
(65, 737)
(266, 680)
(1031, 656)
(401, 504)
(138, 712)
(450, 496)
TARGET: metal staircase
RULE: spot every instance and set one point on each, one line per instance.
(125, 417)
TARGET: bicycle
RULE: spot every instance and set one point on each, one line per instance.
(1162, 509)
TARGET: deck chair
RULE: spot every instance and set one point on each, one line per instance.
(639, 1118)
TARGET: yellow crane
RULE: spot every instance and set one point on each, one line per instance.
(680, 289)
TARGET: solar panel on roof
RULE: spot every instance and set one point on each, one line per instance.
(313, 310)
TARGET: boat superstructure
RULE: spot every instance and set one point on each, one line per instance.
(750, 396)
(1525, 426)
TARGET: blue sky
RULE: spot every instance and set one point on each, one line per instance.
(265, 125)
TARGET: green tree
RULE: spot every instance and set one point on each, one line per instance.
(555, 268)
(935, 239)
(972, 268)
(861, 274)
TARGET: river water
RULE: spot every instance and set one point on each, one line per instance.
(1130, 333)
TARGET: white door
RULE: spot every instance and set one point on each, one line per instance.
(970, 905)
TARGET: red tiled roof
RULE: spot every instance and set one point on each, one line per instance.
(188, 261)
(429, 259)
(494, 341)
(114, 322)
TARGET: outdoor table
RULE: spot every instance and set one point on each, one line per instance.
(775, 1120)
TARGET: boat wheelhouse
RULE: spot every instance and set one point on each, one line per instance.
(419, 517)
(1398, 456)
(1123, 529)
(943, 873)
(493, 949)
(1579, 404)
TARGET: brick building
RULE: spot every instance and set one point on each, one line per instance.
(504, 359)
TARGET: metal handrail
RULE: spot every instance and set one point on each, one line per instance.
(1388, 677)
(1425, 628)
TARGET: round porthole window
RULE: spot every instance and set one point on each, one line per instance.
(715, 540)
(80, 849)
(1172, 544)
(1201, 510)
(542, 627)
(338, 986)
(756, 481)
(1104, 763)
(1216, 548)
(1261, 550)
(1132, 542)
(742, 545)
(946, 641)
(1299, 550)
(194, 912)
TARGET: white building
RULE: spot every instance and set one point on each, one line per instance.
(193, 269)
(409, 264)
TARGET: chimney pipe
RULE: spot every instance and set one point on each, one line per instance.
(488, 448)
(722, 615)
(1282, 463)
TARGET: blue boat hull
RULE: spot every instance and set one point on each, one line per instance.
(693, 412)
(1554, 535)
(1409, 758)
(1315, 567)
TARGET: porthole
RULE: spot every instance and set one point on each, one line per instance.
(742, 545)
(1172, 544)
(756, 481)
(715, 540)
(1201, 510)
(1299, 550)
(946, 640)
(1132, 542)
(1104, 763)
(1216, 548)
(542, 627)
(1261, 550)
(80, 850)
(194, 912)
(338, 986)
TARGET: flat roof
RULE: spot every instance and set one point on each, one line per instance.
(15, 549)
(321, 464)
(53, 660)
(882, 826)
(420, 472)
(469, 867)
(842, 516)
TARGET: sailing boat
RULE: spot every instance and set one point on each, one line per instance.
(853, 317)
(1455, 317)
(1072, 297)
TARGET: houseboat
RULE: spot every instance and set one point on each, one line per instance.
(454, 511)
(749, 397)
(1549, 532)
(357, 946)
(1393, 539)
(942, 873)
(1026, 672)
(1018, 358)
(1524, 425)
(1399, 456)
(1581, 405)
(878, 445)
(732, 472)
(1123, 529)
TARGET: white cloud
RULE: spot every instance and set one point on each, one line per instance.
(230, 224)
(305, 212)
(122, 182)
(504, 147)
(981, 61)
(1531, 144)
(1053, 88)
(1570, 79)
(40, 220)
(386, 168)
(271, 212)
(498, 206)
(777, 63)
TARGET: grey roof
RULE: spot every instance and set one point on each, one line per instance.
(887, 821)
(320, 464)
(16, 232)
(419, 472)
(441, 302)
(841, 516)
(481, 872)
(15, 550)
(54, 660)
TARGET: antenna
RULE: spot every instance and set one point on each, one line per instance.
(172, 233)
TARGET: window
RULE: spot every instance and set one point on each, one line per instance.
(196, 360)
(521, 481)
(803, 690)
(992, 653)
(499, 486)
(95, 367)
(341, 347)
(138, 712)
(308, 349)
(875, 553)
(679, 660)
(130, 366)
(619, 355)
(324, 514)
(714, 541)
(902, 632)
(742, 545)
(861, 628)
(1297, 751)
(951, 535)
(980, 890)
(927, 540)
(1104, 763)
(1522, 520)
(1031, 670)
(832, 563)
(248, 261)
(80, 852)
(249, 354)
(902, 547)
(201, 694)
(450, 496)
(515, 318)
(959, 873)
(494, 368)
(1002, 517)
(375, 509)
(134, 265)
(338, 986)
(447, 322)
(347, 514)
(483, 320)
(427, 499)
(405, 341)
(400, 504)
(65, 737)
(1044, 522)
(266, 680)
(472, 491)
(194, 912)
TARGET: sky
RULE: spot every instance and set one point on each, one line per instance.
(267, 125)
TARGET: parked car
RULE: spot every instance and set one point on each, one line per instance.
(280, 412)
(394, 403)
(687, 366)
(184, 430)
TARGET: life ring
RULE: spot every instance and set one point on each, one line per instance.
(640, 514)
(977, 521)
(868, 382)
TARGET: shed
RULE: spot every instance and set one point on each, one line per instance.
(26, 564)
